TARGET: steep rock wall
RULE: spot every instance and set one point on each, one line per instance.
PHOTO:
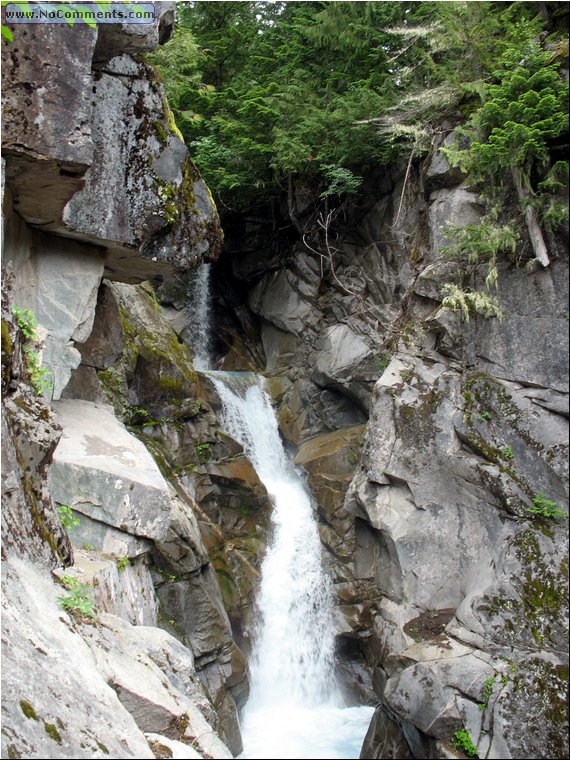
(141, 659)
(453, 592)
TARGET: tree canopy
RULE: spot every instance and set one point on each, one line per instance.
(266, 91)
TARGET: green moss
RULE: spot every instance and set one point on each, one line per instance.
(171, 383)
(52, 732)
(540, 603)
(170, 120)
(542, 590)
(114, 387)
(28, 710)
(433, 401)
(37, 508)
(6, 350)
(102, 747)
(182, 723)
(540, 688)
(12, 752)
(161, 132)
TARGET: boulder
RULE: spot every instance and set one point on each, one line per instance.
(59, 283)
(121, 586)
(345, 360)
(103, 471)
(46, 134)
(284, 299)
(143, 198)
(55, 700)
(134, 39)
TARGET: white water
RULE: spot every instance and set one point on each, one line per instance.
(295, 709)
(199, 316)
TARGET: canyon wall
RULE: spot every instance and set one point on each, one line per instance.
(116, 641)
(133, 528)
(429, 442)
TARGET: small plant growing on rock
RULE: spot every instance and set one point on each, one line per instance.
(485, 417)
(67, 518)
(79, 600)
(487, 692)
(203, 451)
(39, 376)
(123, 563)
(544, 507)
(462, 741)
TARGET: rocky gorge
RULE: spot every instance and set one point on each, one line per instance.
(134, 528)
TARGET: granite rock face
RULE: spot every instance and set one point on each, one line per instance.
(98, 182)
(81, 690)
(450, 577)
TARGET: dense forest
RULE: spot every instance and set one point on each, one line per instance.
(263, 91)
(268, 95)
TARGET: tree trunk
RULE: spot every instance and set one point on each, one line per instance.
(534, 231)
(291, 205)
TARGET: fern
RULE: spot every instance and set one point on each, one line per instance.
(470, 302)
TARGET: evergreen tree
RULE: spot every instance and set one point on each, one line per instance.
(267, 93)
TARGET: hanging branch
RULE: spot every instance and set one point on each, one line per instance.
(324, 222)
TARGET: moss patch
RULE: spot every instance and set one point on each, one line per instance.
(28, 710)
(52, 732)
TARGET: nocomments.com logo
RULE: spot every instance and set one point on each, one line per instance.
(71, 13)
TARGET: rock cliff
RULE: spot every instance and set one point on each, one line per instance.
(116, 642)
(434, 447)
(133, 528)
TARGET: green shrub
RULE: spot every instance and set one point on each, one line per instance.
(40, 377)
(79, 599)
(462, 741)
(122, 563)
(67, 518)
(544, 507)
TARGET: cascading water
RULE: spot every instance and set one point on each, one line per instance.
(199, 316)
(295, 709)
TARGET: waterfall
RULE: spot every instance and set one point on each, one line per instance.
(199, 316)
(294, 643)
(295, 709)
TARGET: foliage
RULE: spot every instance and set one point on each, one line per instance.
(470, 302)
(513, 133)
(487, 692)
(485, 416)
(67, 518)
(525, 109)
(79, 599)
(263, 91)
(544, 507)
(463, 741)
(39, 376)
(342, 181)
(203, 451)
(475, 243)
(26, 321)
(122, 563)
